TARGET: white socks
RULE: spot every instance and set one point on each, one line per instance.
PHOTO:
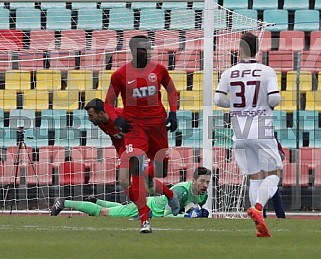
(267, 189)
(254, 185)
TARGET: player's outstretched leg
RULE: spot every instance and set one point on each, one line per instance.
(257, 217)
(57, 207)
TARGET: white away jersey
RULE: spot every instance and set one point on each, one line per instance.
(249, 85)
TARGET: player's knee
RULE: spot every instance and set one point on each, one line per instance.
(161, 169)
(136, 165)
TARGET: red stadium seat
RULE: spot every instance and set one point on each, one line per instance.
(292, 40)
(5, 60)
(11, 40)
(222, 60)
(93, 60)
(85, 154)
(120, 58)
(315, 41)
(31, 61)
(317, 175)
(55, 155)
(230, 176)
(289, 175)
(73, 40)
(311, 60)
(167, 40)
(104, 40)
(39, 174)
(188, 61)
(42, 40)
(266, 43)
(309, 158)
(228, 41)
(281, 60)
(127, 35)
(63, 60)
(194, 40)
(71, 173)
(161, 57)
(9, 171)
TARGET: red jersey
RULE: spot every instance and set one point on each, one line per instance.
(140, 91)
(112, 131)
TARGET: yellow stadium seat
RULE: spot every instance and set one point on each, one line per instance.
(81, 80)
(8, 99)
(279, 77)
(198, 77)
(164, 99)
(18, 80)
(65, 100)
(104, 79)
(288, 101)
(313, 101)
(89, 95)
(35, 99)
(191, 100)
(319, 81)
(305, 80)
(180, 79)
(48, 80)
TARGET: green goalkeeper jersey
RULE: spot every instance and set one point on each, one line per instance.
(184, 194)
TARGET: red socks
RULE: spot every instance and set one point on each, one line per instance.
(139, 193)
(258, 206)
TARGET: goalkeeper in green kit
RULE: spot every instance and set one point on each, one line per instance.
(192, 195)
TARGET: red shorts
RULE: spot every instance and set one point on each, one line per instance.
(145, 140)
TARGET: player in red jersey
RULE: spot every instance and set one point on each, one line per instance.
(143, 122)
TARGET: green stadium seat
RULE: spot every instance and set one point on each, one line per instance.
(308, 120)
(223, 137)
(247, 23)
(79, 5)
(47, 5)
(17, 5)
(121, 19)
(317, 5)
(90, 19)
(112, 5)
(28, 19)
(8, 137)
(143, 5)
(152, 19)
(277, 17)
(185, 121)
(295, 5)
(306, 20)
(199, 5)
(95, 137)
(315, 138)
(232, 4)
(287, 137)
(53, 119)
(265, 5)
(4, 18)
(220, 19)
(67, 137)
(174, 5)
(22, 118)
(192, 138)
(80, 119)
(279, 119)
(58, 19)
(182, 20)
(36, 137)
(1, 119)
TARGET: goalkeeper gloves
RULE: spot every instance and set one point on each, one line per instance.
(172, 121)
(197, 212)
(123, 125)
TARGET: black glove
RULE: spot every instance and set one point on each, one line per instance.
(123, 124)
(172, 121)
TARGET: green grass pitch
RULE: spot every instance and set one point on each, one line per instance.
(91, 237)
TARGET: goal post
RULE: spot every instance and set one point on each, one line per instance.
(54, 60)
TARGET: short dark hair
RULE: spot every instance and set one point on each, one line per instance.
(97, 104)
(201, 170)
(136, 39)
(249, 44)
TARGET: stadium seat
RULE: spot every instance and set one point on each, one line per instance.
(198, 78)
(35, 99)
(39, 175)
(308, 120)
(288, 137)
(120, 58)
(306, 20)
(36, 138)
(289, 176)
(281, 60)
(305, 79)
(167, 40)
(174, 5)
(62, 60)
(104, 40)
(277, 17)
(1, 119)
(73, 40)
(80, 119)
(315, 138)
(92, 94)
(8, 99)
(292, 40)
(279, 119)
(192, 138)
(152, 19)
(188, 60)
(94, 60)
(104, 79)
(194, 40)
(17, 80)
(53, 119)
(222, 59)
(16, 5)
(220, 19)
(48, 5)
(288, 101)
(160, 56)
(8, 137)
(313, 101)
(127, 35)
(296, 5)
(317, 5)
(250, 19)
(90, 19)
(65, 100)
(223, 137)
(83, 5)
(80, 80)
(228, 42)
(11, 39)
(199, 5)
(121, 19)
(266, 42)
(311, 60)
(4, 18)
(185, 121)
(49, 80)
(265, 5)
(5, 60)
(97, 138)
(315, 41)
(112, 5)
(179, 78)
(87, 155)
(191, 100)
(22, 118)
(31, 61)
(28, 19)
(164, 98)
(67, 137)
(186, 154)
(71, 173)
(42, 40)
(53, 155)
(143, 5)
(232, 4)
(58, 19)
(182, 19)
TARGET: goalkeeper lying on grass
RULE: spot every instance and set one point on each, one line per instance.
(191, 192)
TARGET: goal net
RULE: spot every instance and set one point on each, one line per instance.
(53, 60)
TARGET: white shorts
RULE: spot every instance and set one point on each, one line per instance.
(255, 155)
